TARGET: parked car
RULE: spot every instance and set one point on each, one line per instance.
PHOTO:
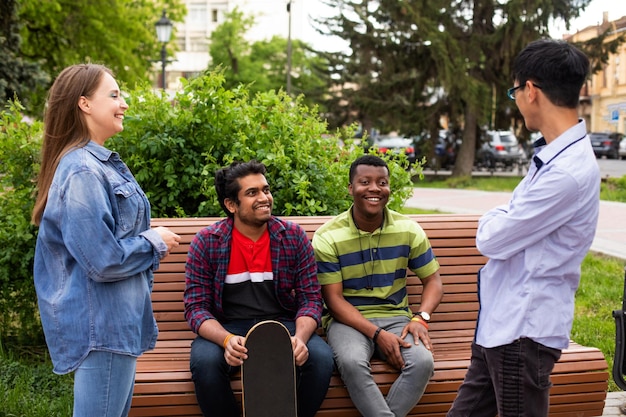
(622, 148)
(606, 144)
(440, 153)
(395, 145)
(500, 149)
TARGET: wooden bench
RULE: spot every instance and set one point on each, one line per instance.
(163, 384)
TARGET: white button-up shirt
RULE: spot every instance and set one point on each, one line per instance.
(536, 243)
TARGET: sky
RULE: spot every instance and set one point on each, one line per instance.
(591, 16)
(271, 18)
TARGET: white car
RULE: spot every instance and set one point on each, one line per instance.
(500, 149)
(622, 149)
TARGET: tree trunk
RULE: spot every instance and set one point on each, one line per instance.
(465, 159)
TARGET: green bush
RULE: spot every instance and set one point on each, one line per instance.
(173, 147)
(19, 147)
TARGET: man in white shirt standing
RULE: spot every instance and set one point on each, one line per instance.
(535, 244)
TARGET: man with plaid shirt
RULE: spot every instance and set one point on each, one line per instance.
(247, 268)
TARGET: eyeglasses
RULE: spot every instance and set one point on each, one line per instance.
(511, 91)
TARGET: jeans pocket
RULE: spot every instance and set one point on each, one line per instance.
(546, 358)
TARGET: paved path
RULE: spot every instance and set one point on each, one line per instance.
(610, 236)
(612, 403)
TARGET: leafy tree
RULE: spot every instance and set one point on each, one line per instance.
(490, 50)
(228, 46)
(18, 76)
(413, 61)
(262, 65)
(119, 34)
(390, 75)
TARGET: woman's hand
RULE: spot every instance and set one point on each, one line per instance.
(171, 239)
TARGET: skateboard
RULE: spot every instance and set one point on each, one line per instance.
(268, 376)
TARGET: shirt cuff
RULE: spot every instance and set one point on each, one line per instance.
(156, 241)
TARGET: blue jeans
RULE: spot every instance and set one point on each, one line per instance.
(103, 385)
(211, 374)
(511, 381)
(353, 352)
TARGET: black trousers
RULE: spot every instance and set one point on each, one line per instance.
(509, 381)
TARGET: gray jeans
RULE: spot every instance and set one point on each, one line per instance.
(353, 351)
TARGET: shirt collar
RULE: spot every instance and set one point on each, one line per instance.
(545, 153)
(386, 213)
(99, 151)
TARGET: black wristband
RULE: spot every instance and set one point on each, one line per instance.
(376, 334)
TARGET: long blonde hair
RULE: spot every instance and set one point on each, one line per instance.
(65, 126)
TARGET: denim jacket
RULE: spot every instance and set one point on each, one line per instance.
(94, 259)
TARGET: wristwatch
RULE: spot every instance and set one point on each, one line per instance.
(424, 315)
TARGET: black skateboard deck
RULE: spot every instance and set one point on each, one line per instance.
(268, 376)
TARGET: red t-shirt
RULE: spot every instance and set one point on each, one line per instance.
(249, 290)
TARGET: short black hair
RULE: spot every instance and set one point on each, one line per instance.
(227, 181)
(372, 160)
(557, 67)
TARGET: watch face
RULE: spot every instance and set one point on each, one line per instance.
(425, 315)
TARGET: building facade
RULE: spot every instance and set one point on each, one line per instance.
(603, 99)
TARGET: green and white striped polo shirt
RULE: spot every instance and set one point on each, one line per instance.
(373, 266)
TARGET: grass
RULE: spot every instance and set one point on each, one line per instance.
(412, 210)
(600, 292)
(29, 388)
(470, 183)
(611, 189)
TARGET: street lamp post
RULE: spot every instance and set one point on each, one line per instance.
(164, 32)
(289, 49)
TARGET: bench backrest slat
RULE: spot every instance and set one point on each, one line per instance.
(452, 238)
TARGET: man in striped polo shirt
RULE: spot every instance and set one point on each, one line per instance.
(362, 257)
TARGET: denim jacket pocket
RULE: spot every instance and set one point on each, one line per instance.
(130, 205)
